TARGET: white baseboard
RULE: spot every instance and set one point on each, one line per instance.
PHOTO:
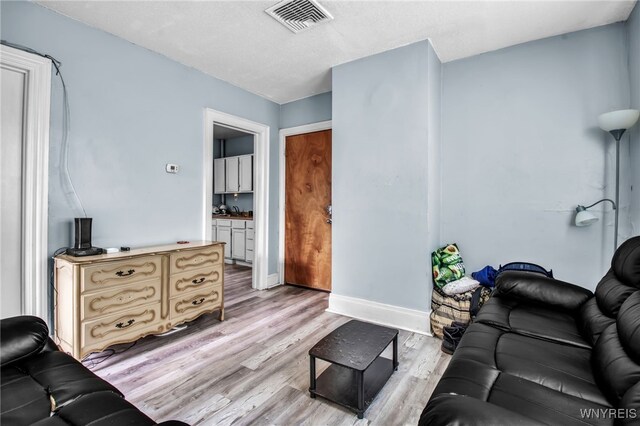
(380, 313)
(273, 280)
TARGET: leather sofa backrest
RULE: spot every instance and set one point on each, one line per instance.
(21, 337)
(622, 279)
(616, 355)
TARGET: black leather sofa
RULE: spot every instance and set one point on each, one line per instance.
(40, 385)
(542, 351)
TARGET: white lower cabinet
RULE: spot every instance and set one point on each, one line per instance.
(238, 237)
(224, 235)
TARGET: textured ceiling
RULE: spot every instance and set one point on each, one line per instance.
(238, 42)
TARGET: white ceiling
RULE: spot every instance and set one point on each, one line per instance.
(223, 132)
(238, 42)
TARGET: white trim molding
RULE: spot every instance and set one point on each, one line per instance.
(380, 313)
(290, 131)
(260, 190)
(37, 74)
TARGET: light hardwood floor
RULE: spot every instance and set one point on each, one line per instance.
(253, 368)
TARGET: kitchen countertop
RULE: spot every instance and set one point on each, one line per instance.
(221, 216)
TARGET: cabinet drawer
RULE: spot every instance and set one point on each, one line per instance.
(195, 259)
(238, 224)
(250, 233)
(189, 306)
(249, 244)
(195, 280)
(125, 326)
(249, 256)
(249, 224)
(104, 275)
(224, 222)
(120, 298)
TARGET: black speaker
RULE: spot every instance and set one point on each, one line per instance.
(82, 246)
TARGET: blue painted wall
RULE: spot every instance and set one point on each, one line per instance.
(380, 155)
(305, 111)
(633, 48)
(132, 111)
(521, 148)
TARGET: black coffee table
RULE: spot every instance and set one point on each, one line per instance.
(358, 372)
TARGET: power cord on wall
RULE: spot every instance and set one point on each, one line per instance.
(66, 122)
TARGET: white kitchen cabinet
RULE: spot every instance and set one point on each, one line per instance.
(245, 173)
(224, 235)
(214, 231)
(238, 237)
(233, 174)
(219, 179)
(249, 243)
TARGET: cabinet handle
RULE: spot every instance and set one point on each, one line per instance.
(123, 325)
(125, 274)
(197, 302)
(200, 281)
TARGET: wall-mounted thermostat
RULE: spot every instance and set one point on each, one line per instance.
(172, 168)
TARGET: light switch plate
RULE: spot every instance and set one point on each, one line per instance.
(172, 168)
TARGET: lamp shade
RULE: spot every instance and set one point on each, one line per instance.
(618, 120)
(585, 218)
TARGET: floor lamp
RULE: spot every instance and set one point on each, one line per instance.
(616, 123)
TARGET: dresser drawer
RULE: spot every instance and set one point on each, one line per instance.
(190, 305)
(125, 326)
(105, 275)
(189, 281)
(195, 259)
(96, 304)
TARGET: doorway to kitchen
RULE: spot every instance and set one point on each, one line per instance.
(305, 206)
(235, 195)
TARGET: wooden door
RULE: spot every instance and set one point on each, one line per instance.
(308, 194)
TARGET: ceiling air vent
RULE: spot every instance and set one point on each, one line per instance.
(299, 15)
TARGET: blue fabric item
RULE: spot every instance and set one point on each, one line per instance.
(486, 276)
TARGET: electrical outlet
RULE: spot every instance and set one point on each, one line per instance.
(172, 168)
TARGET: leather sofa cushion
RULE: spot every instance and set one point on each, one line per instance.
(611, 294)
(626, 262)
(593, 321)
(24, 401)
(537, 288)
(64, 377)
(98, 409)
(530, 319)
(563, 368)
(615, 371)
(21, 337)
(631, 401)
(628, 326)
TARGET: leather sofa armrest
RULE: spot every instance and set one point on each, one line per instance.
(538, 288)
(460, 410)
(21, 337)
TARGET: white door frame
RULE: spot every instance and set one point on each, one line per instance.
(37, 74)
(260, 190)
(290, 131)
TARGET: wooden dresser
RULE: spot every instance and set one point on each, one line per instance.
(120, 297)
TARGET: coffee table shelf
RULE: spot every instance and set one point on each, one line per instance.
(358, 372)
(339, 384)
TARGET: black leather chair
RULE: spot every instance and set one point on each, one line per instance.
(542, 351)
(43, 386)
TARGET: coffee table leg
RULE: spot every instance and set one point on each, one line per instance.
(312, 376)
(360, 378)
(395, 353)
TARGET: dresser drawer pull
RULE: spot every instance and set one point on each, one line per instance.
(123, 325)
(200, 281)
(125, 274)
(197, 302)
